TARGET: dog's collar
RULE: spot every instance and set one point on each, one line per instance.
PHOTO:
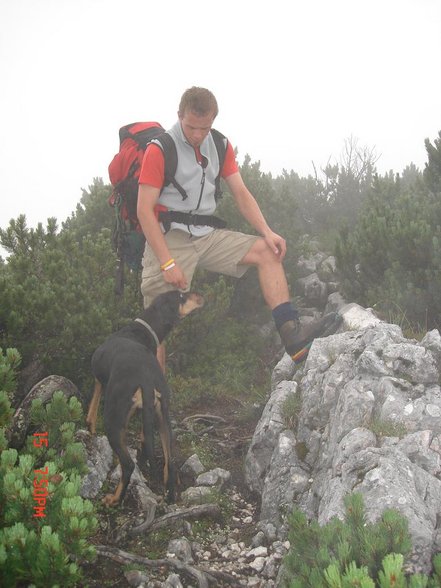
(149, 329)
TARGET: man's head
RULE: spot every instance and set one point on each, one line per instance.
(197, 111)
(199, 101)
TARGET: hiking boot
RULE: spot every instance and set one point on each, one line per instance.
(296, 337)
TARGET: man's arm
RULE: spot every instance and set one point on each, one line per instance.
(250, 210)
(147, 200)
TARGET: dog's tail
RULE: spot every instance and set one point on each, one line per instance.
(162, 399)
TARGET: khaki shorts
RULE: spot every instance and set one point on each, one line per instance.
(220, 251)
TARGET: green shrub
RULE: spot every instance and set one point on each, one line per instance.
(353, 552)
(391, 256)
(212, 355)
(9, 363)
(291, 410)
(391, 575)
(44, 523)
(62, 449)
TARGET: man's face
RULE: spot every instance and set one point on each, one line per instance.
(195, 127)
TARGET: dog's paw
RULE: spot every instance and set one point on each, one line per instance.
(170, 497)
(110, 500)
(91, 428)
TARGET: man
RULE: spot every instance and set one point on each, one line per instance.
(172, 256)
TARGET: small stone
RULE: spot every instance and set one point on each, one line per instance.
(258, 539)
(258, 552)
(192, 466)
(135, 577)
(217, 477)
(181, 549)
(257, 564)
(433, 410)
(173, 581)
(194, 495)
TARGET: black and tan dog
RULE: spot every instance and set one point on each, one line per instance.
(127, 371)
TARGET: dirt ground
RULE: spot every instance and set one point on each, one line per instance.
(221, 441)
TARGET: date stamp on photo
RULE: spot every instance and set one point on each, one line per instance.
(41, 480)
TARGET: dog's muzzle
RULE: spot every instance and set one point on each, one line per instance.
(190, 301)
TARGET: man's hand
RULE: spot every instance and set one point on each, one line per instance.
(176, 277)
(276, 243)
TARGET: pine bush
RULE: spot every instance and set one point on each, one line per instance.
(44, 523)
(9, 363)
(390, 257)
(352, 552)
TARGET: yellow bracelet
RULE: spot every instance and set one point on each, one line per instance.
(169, 267)
(167, 263)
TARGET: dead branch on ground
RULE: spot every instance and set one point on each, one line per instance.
(202, 577)
(202, 510)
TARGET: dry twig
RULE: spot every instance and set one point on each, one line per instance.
(209, 510)
(203, 578)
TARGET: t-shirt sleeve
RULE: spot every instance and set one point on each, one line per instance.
(230, 164)
(152, 169)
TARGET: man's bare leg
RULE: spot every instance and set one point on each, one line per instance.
(272, 276)
(295, 336)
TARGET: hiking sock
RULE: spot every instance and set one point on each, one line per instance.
(286, 315)
(284, 312)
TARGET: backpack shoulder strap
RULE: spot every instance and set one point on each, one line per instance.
(221, 143)
(170, 153)
(169, 150)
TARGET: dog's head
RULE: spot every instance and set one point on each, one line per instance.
(174, 305)
(189, 301)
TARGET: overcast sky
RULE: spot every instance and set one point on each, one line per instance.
(293, 79)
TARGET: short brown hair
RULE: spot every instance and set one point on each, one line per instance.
(200, 101)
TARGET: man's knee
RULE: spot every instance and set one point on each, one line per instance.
(260, 254)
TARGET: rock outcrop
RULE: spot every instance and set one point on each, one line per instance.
(369, 421)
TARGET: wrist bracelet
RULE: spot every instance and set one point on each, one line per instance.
(169, 267)
(168, 263)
